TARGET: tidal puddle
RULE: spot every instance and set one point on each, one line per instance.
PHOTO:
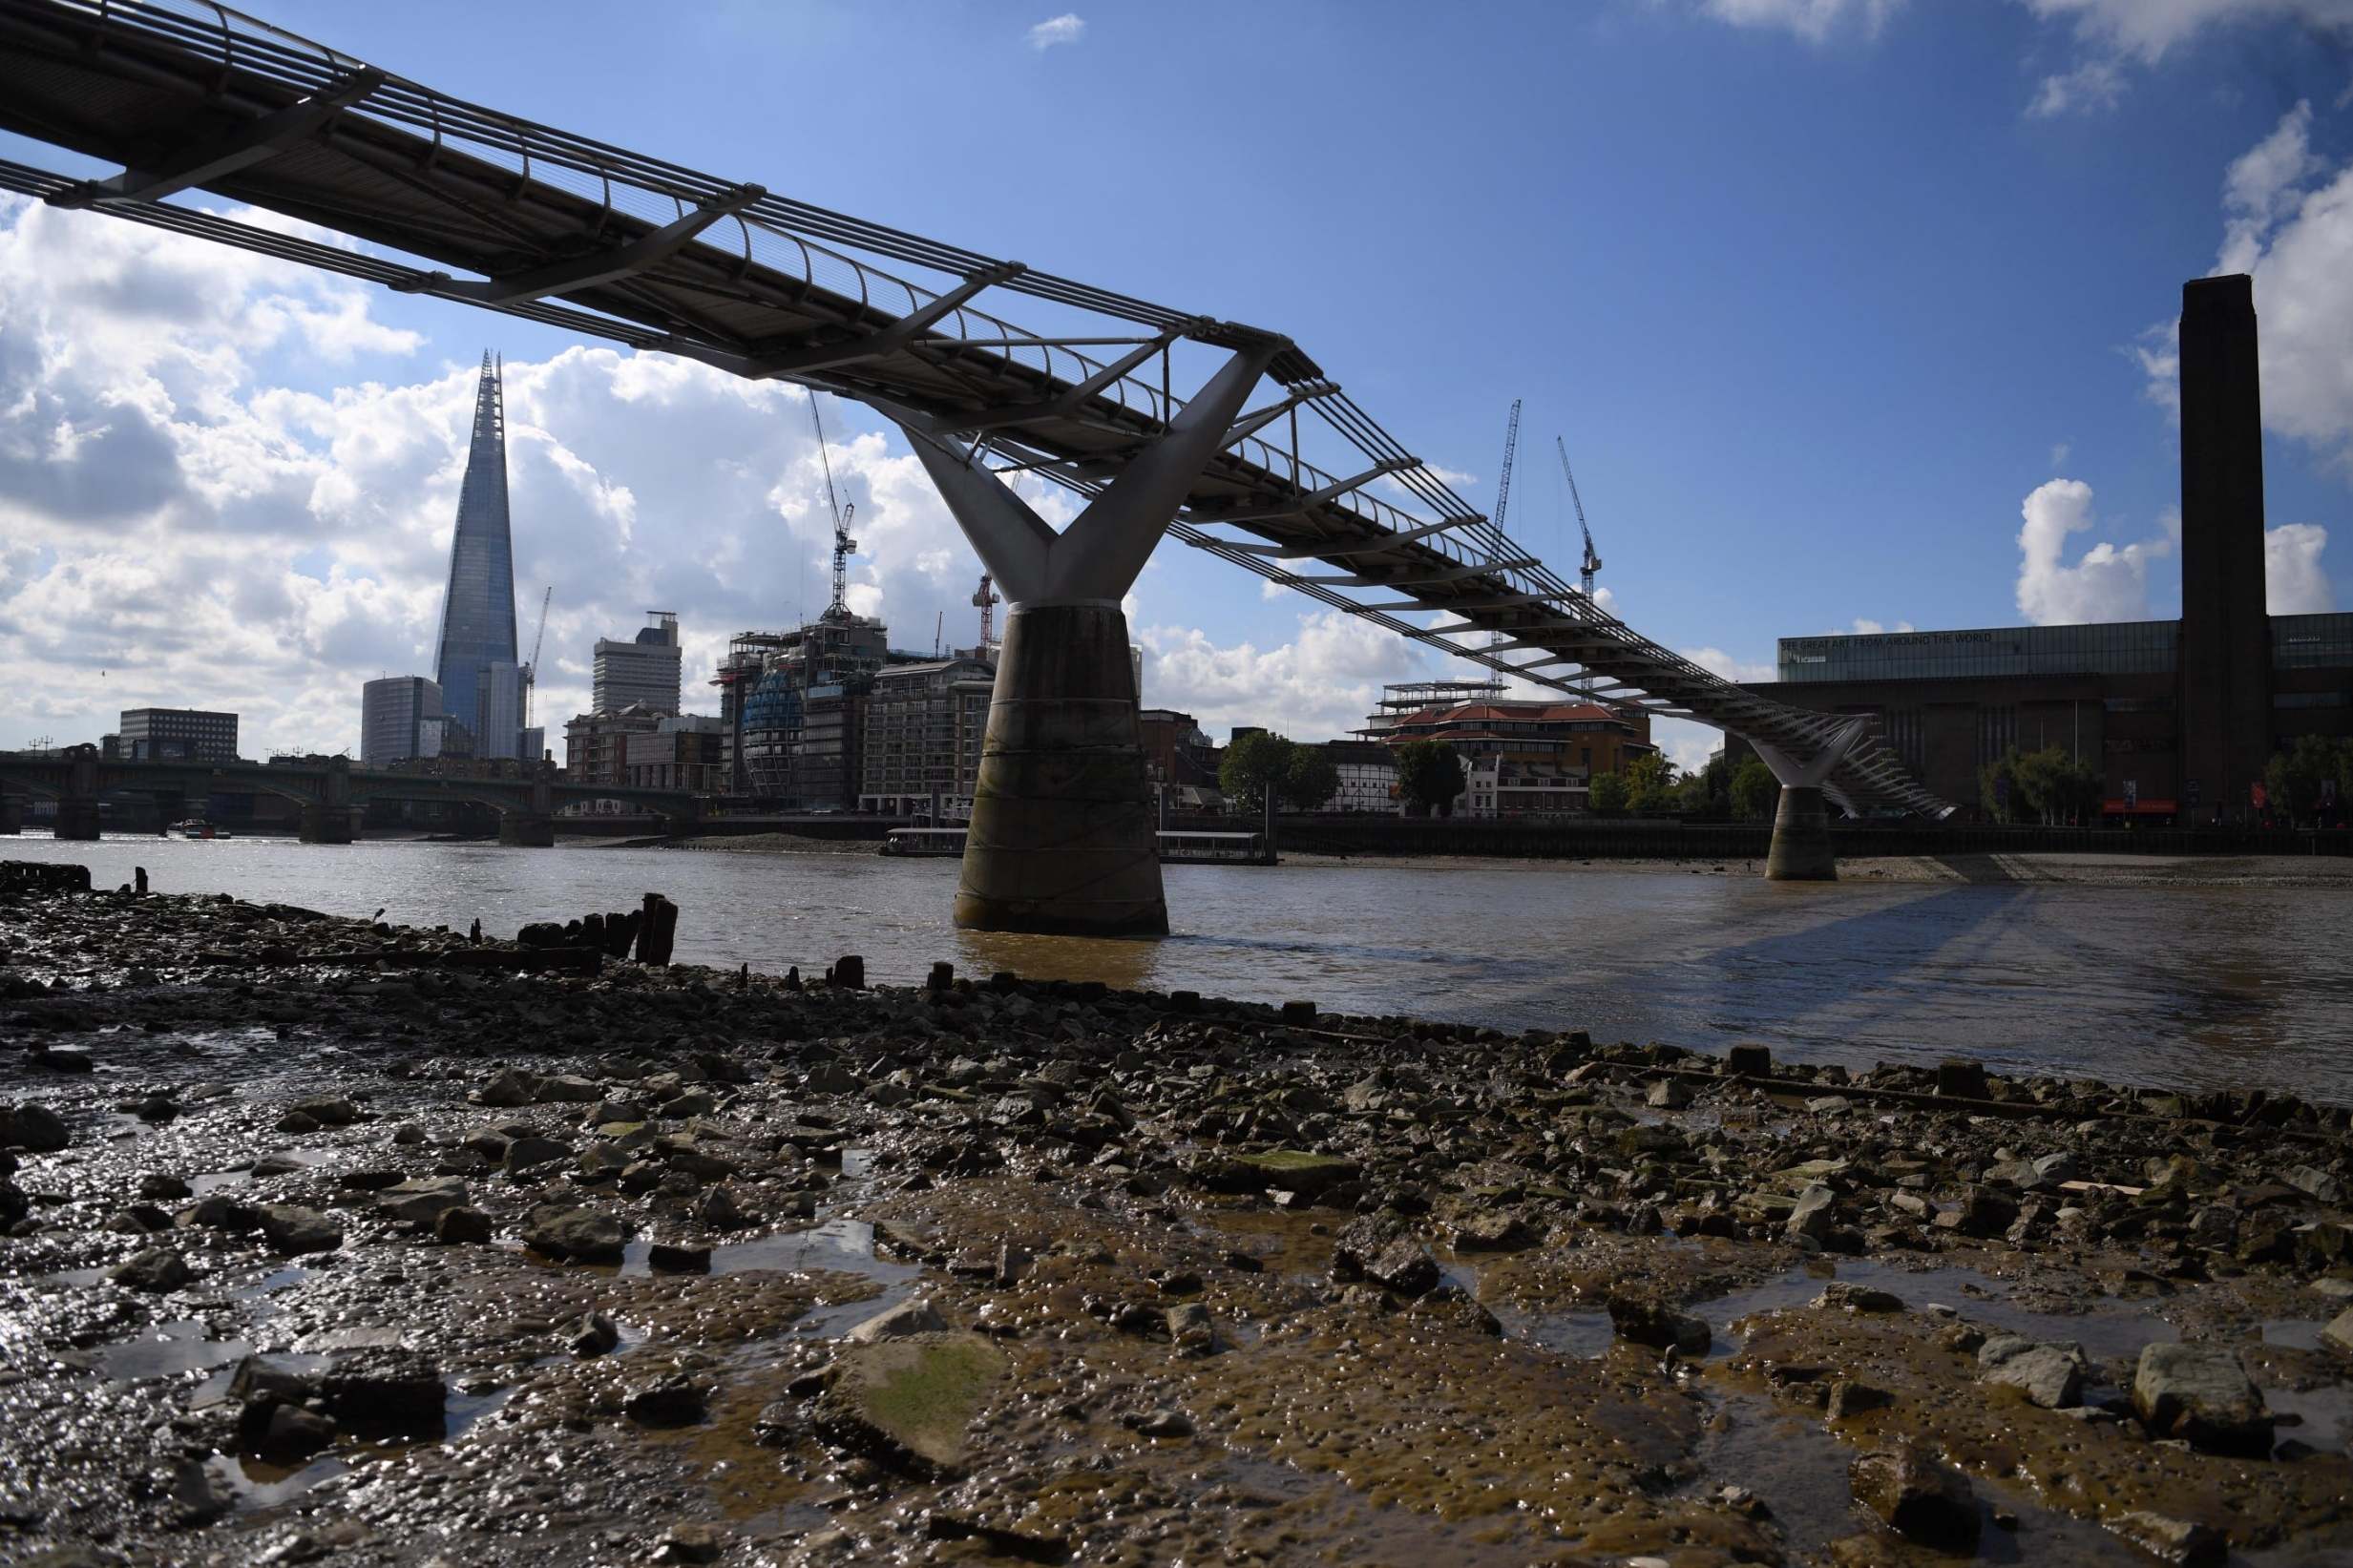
(1583, 1332)
(2106, 1330)
(259, 1485)
(173, 1348)
(214, 1181)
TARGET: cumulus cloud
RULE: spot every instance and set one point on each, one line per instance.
(2294, 584)
(1318, 686)
(1865, 626)
(178, 526)
(1716, 661)
(2115, 33)
(2106, 583)
(1813, 20)
(1066, 29)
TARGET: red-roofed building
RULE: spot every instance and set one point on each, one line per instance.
(1521, 758)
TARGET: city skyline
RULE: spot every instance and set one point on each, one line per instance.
(310, 501)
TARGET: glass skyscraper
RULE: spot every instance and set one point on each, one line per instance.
(477, 611)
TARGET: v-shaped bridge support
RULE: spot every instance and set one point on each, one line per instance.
(1062, 828)
(1801, 850)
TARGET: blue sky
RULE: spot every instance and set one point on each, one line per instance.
(1819, 291)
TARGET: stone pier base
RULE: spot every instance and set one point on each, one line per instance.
(325, 824)
(77, 819)
(1062, 835)
(527, 829)
(11, 817)
(1801, 850)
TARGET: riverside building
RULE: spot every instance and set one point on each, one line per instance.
(921, 736)
(1520, 759)
(191, 734)
(643, 671)
(2178, 717)
(400, 718)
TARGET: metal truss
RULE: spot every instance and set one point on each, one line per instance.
(455, 202)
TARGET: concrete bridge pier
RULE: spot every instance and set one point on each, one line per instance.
(527, 829)
(1062, 833)
(328, 819)
(12, 815)
(77, 805)
(1801, 850)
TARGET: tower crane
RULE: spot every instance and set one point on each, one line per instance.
(1503, 484)
(844, 546)
(531, 670)
(986, 601)
(1592, 563)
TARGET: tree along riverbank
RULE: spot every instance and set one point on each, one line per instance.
(326, 1236)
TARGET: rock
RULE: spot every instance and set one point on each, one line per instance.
(912, 1316)
(676, 1400)
(679, 1258)
(161, 1188)
(385, 1388)
(1958, 1079)
(463, 1225)
(1159, 1422)
(566, 1091)
(1668, 1094)
(33, 1127)
(295, 1433)
(1309, 1175)
(574, 1232)
(1753, 1062)
(327, 1111)
(531, 1149)
(2200, 1392)
(718, 1209)
(507, 1089)
(2058, 1167)
(691, 1543)
(424, 1200)
(1492, 1230)
(154, 1270)
(1648, 1320)
(1981, 1212)
(1841, 1295)
(294, 1230)
(276, 1165)
(1848, 1397)
(199, 1493)
(590, 1334)
(218, 1211)
(2337, 1335)
(2051, 1375)
(2177, 1542)
(907, 1403)
(298, 1122)
(1813, 1214)
(1380, 1247)
(1920, 1498)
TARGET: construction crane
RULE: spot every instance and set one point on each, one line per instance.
(1592, 563)
(844, 546)
(531, 670)
(1503, 484)
(985, 600)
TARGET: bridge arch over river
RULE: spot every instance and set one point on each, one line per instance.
(1161, 420)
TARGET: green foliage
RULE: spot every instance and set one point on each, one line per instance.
(2294, 779)
(1649, 782)
(1708, 792)
(1251, 764)
(1310, 779)
(1429, 777)
(1608, 793)
(1756, 793)
(2044, 786)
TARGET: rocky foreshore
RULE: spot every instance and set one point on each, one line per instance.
(329, 1241)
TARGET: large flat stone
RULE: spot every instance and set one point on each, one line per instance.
(906, 1403)
(2200, 1392)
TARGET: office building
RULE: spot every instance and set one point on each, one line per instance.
(477, 607)
(681, 752)
(644, 671)
(178, 735)
(2177, 717)
(597, 744)
(921, 737)
(399, 719)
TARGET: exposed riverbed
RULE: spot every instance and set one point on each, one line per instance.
(2250, 984)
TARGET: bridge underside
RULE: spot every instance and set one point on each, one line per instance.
(464, 203)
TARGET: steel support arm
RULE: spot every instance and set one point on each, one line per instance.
(200, 162)
(1096, 559)
(1067, 403)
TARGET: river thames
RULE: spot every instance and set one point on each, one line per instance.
(2209, 987)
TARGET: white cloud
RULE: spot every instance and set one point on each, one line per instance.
(173, 517)
(1717, 662)
(1813, 20)
(2107, 584)
(2263, 185)
(2096, 84)
(2292, 581)
(1066, 29)
(1865, 626)
(1315, 688)
(2147, 30)
(2059, 451)
(1688, 745)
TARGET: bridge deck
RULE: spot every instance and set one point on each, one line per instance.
(609, 244)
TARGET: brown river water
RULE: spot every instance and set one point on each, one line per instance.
(2188, 987)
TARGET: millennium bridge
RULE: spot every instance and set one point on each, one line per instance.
(1161, 420)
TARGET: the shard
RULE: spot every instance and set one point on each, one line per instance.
(477, 610)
